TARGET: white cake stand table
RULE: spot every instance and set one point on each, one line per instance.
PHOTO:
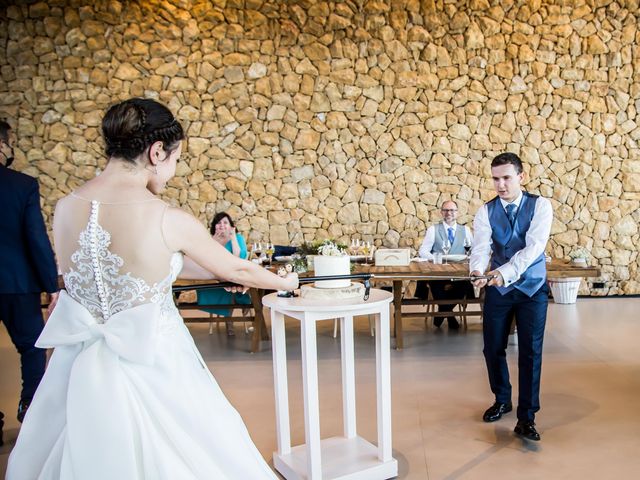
(348, 457)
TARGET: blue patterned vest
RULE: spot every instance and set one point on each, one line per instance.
(458, 240)
(507, 241)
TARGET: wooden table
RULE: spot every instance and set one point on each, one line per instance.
(557, 268)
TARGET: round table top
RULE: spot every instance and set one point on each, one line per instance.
(377, 298)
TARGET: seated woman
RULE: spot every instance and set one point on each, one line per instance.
(223, 231)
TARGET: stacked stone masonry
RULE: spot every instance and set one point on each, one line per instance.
(347, 119)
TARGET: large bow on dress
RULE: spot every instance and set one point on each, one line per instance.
(131, 334)
(106, 367)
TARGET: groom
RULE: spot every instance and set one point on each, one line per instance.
(27, 267)
(512, 230)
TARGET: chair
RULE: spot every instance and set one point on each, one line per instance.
(478, 298)
(245, 313)
(431, 308)
(187, 300)
(462, 304)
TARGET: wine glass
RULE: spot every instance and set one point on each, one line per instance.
(266, 258)
(446, 246)
(270, 249)
(257, 249)
(366, 247)
(467, 246)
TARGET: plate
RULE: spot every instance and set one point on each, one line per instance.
(283, 258)
(454, 258)
(355, 258)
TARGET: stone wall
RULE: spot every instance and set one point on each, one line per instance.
(358, 118)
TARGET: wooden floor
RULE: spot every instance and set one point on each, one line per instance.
(590, 417)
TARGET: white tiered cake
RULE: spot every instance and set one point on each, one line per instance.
(325, 265)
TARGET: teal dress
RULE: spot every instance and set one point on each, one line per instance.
(219, 296)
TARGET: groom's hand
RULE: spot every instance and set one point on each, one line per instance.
(497, 280)
(53, 299)
(481, 282)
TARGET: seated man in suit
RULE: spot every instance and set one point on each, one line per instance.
(457, 236)
(27, 268)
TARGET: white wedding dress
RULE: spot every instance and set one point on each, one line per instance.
(126, 394)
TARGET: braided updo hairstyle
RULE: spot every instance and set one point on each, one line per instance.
(132, 126)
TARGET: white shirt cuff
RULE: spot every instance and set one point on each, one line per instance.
(509, 274)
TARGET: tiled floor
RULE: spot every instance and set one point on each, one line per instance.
(590, 417)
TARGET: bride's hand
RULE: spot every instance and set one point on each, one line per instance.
(237, 289)
(292, 281)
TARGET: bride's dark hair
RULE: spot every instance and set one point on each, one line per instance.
(130, 127)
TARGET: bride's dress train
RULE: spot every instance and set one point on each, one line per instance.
(126, 395)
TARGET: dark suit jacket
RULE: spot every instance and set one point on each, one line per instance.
(27, 264)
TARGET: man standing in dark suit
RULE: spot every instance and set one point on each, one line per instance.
(27, 268)
(512, 231)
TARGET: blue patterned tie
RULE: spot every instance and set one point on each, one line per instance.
(511, 213)
(450, 235)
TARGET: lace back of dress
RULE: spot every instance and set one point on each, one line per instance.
(95, 260)
(117, 268)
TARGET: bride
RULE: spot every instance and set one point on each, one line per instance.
(126, 394)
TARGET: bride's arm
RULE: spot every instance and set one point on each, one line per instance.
(185, 233)
(192, 271)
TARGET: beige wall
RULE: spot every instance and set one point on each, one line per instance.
(312, 119)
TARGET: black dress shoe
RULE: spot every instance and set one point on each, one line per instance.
(495, 411)
(23, 406)
(453, 323)
(438, 321)
(527, 429)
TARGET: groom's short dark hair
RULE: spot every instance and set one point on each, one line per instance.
(506, 159)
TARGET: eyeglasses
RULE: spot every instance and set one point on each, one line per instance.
(449, 210)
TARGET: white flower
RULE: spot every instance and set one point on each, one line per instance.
(330, 249)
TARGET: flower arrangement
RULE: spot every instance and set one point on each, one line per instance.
(320, 246)
(331, 249)
(307, 251)
(579, 255)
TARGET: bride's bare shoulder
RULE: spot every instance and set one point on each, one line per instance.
(63, 203)
(69, 202)
(176, 215)
(181, 228)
